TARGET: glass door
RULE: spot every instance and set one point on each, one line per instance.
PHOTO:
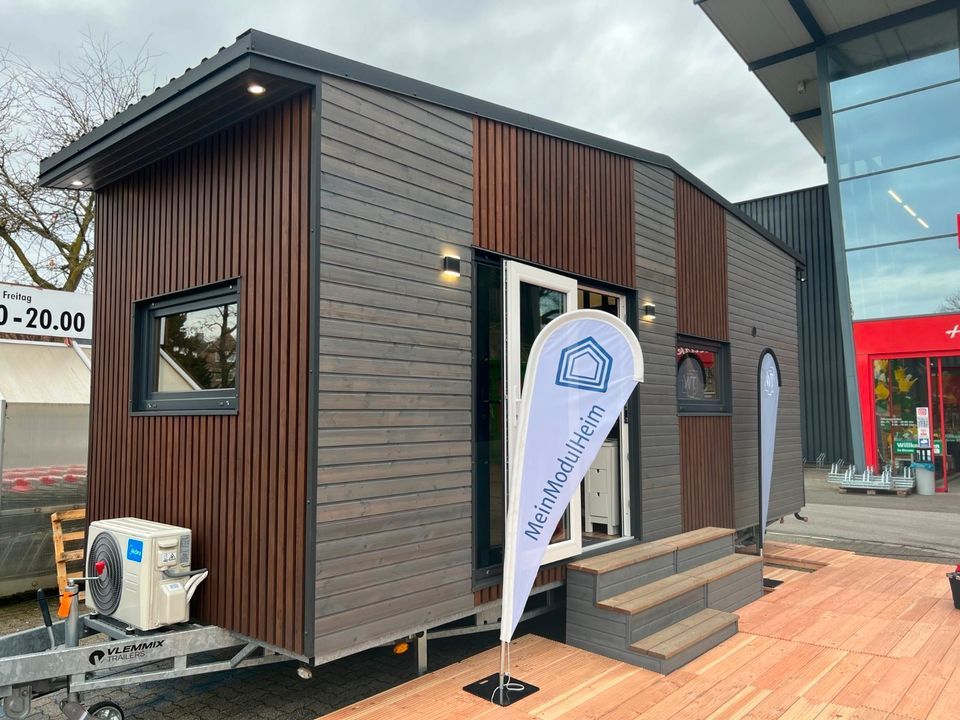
(533, 298)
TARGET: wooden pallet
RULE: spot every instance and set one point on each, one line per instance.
(68, 546)
(874, 491)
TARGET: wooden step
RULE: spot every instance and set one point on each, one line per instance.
(636, 554)
(656, 593)
(683, 635)
(618, 559)
(713, 571)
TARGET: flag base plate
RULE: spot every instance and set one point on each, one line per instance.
(488, 689)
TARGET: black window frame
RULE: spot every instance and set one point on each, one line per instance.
(145, 351)
(720, 405)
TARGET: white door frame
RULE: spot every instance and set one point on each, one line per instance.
(626, 529)
(513, 274)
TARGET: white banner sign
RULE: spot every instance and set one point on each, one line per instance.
(769, 387)
(580, 373)
(48, 313)
(923, 427)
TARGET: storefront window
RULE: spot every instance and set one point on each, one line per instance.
(916, 278)
(899, 388)
(919, 202)
(901, 131)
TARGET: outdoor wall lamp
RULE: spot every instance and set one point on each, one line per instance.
(801, 274)
(649, 311)
(451, 266)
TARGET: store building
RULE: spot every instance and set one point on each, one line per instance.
(875, 86)
(345, 269)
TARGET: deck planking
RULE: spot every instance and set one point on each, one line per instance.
(860, 638)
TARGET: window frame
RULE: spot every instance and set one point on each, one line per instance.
(145, 352)
(716, 406)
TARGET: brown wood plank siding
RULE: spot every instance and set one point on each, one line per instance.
(553, 203)
(233, 205)
(706, 468)
(491, 593)
(701, 264)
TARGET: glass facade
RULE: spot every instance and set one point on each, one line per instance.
(895, 96)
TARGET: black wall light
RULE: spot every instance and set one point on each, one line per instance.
(801, 274)
(451, 266)
(649, 311)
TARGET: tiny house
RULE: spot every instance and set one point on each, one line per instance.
(316, 283)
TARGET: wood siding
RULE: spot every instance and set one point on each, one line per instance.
(553, 203)
(653, 192)
(701, 264)
(394, 476)
(763, 295)
(492, 593)
(233, 205)
(707, 470)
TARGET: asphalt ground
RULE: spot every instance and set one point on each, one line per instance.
(915, 527)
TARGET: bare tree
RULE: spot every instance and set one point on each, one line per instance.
(951, 303)
(46, 236)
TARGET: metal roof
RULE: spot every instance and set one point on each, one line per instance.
(213, 96)
(778, 39)
(43, 373)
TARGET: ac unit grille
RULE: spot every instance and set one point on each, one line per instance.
(107, 590)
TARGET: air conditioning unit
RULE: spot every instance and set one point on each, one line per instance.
(145, 580)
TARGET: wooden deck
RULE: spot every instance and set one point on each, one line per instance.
(862, 637)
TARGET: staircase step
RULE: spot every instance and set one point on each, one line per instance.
(713, 571)
(619, 559)
(636, 554)
(656, 593)
(685, 634)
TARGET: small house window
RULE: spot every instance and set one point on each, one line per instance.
(185, 353)
(703, 378)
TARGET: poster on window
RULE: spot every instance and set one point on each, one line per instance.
(582, 368)
(923, 427)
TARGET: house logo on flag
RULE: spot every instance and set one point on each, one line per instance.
(585, 365)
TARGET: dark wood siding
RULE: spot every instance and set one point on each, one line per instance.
(657, 283)
(395, 341)
(233, 205)
(706, 467)
(554, 203)
(763, 295)
(701, 264)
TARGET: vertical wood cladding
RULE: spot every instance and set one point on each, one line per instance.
(233, 205)
(701, 264)
(394, 476)
(706, 466)
(553, 202)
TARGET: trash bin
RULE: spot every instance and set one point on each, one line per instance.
(926, 485)
(954, 579)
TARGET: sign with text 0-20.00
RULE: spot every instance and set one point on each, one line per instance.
(45, 313)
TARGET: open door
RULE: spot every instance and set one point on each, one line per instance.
(532, 298)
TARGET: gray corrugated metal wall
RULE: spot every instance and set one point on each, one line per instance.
(394, 469)
(762, 295)
(654, 231)
(802, 220)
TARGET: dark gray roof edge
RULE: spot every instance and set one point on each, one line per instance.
(293, 53)
(785, 193)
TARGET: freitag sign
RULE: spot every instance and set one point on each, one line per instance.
(28, 310)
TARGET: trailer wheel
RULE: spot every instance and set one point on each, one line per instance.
(106, 711)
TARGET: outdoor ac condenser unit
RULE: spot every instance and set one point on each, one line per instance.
(145, 580)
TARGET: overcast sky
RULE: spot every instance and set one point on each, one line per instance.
(654, 73)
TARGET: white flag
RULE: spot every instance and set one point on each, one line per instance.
(580, 373)
(769, 398)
